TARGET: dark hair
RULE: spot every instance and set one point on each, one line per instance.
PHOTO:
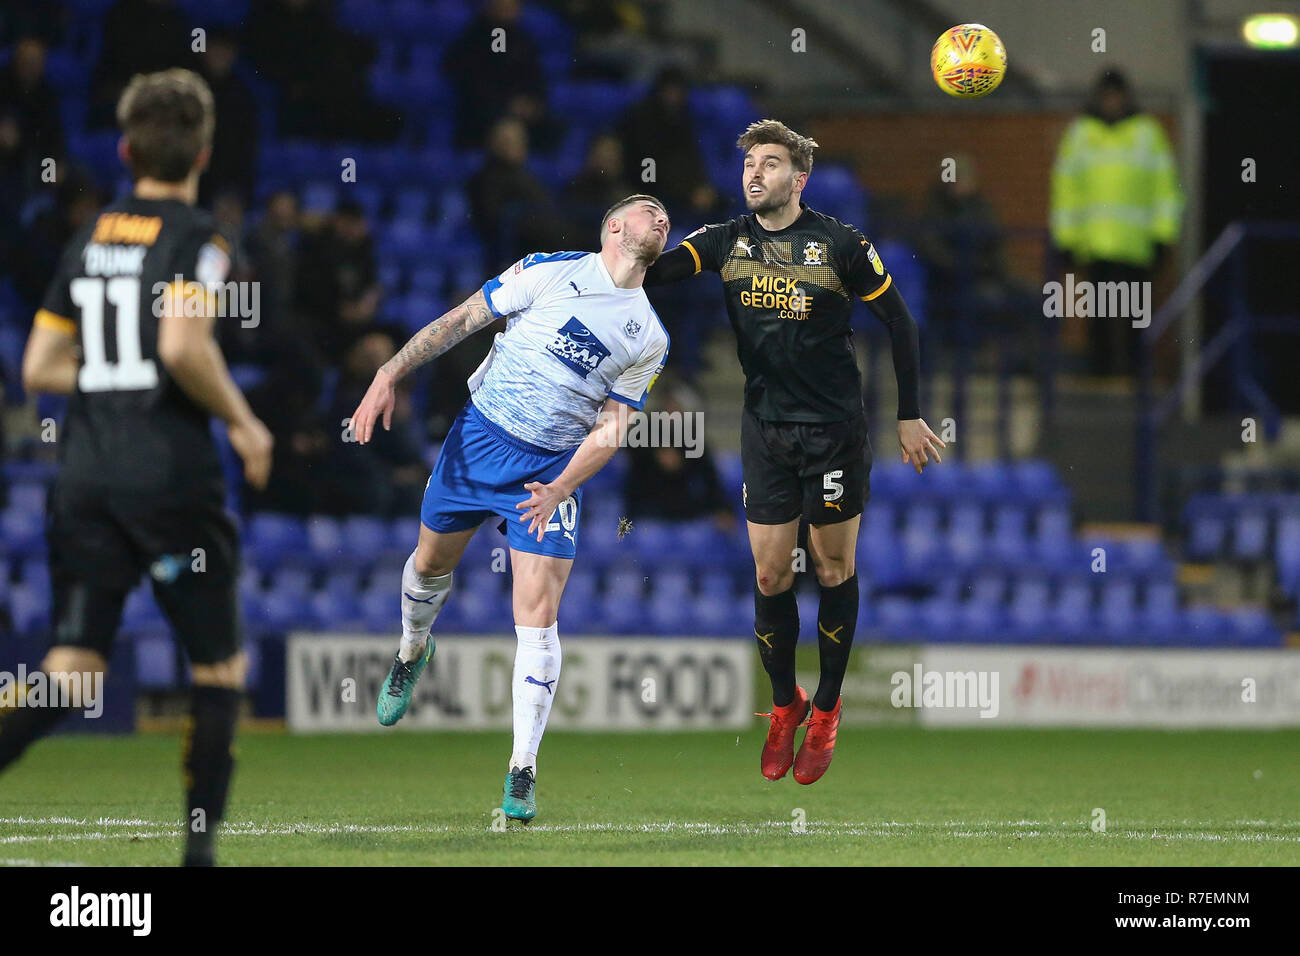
(627, 201)
(167, 118)
(777, 133)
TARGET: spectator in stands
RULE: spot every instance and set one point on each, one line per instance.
(287, 403)
(234, 147)
(320, 70)
(667, 484)
(33, 260)
(661, 128)
(490, 83)
(139, 36)
(273, 252)
(31, 102)
(337, 283)
(1115, 206)
(601, 183)
(512, 210)
(961, 243)
(385, 477)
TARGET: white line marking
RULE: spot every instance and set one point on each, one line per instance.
(1023, 829)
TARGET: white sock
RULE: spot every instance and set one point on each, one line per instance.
(422, 599)
(538, 657)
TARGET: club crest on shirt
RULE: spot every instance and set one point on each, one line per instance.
(577, 347)
(633, 327)
(813, 254)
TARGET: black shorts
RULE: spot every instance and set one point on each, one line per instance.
(101, 541)
(817, 471)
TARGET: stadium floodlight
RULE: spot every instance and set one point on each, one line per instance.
(1271, 31)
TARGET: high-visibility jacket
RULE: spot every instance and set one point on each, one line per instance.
(1115, 190)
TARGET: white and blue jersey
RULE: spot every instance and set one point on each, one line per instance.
(573, 340)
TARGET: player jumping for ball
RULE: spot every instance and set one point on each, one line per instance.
(548, 408)
(790, 275)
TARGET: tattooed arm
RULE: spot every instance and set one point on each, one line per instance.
(437, 337)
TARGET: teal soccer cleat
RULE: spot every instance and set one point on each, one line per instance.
(395, 695)
(518, 802)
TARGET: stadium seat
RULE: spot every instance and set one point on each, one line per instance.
(275, 539)
(1205, 520)
(1250, 531)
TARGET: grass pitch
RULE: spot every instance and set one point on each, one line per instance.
(893, 796)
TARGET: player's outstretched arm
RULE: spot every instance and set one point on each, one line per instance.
(193, 359)
(50, 362)
(592, 455)
(917, 441)
(424, 346)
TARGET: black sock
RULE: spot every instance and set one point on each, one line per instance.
(837, 618)
(776, 625)
(208, 763)
(19, 726)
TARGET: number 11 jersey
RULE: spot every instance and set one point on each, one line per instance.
(129, 425)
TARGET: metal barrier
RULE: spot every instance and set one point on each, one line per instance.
(1235, 335)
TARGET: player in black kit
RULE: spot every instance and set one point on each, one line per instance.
(126, 329)
(790, 276)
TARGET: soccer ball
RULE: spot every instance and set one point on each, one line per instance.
(968, 61)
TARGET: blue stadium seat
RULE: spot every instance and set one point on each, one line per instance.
(337, 610)
(1254, 627)
(364, 538)
(1250, 531)
(1205, 517)
(155, 662)
(1204, 625)
(22, 533)
(1072, 615)
(1010, 531)
(1117, 615)
(1027, 617)
(1286, 553)
(325, 540)
(294, 582)
(275, 539)
(1038, 482)
(29, 609)
(1158, 617)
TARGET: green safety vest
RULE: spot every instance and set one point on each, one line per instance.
(1115, 190)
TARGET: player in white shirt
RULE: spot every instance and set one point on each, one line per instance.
(548, 407)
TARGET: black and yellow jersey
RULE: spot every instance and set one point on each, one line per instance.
(129, 425)
(789, 295)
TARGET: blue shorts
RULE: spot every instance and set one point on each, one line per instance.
(481, 472)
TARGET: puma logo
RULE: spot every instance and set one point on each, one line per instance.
(765, 638)
(530, 679)
(830, 634)
(833, 504)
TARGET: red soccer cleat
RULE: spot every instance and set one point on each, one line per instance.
(778, 750)
(818, 745)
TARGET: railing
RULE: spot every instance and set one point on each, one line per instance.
(1235, 335)
(960, 320)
